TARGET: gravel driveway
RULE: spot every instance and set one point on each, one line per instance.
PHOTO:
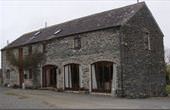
(41, 99)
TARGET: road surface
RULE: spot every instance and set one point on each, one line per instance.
(43, 99)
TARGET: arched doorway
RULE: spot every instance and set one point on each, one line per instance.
(49, 76)
(72, 76)
(101, 76)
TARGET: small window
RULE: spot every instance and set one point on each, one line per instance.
(147, 42)
(30, 73)
(25, 76)
(77, 43)
(44, 47)
(30, 50)
(8, 74)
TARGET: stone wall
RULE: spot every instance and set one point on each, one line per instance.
(102, 45)
(14, 73)
(142, 68)
(38, 48)
(36, 74)
(7, 67)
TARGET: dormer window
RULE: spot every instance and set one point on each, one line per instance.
(147, 42)
(77, 43)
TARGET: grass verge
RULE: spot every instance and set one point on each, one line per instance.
(11, 94)
(17, 95)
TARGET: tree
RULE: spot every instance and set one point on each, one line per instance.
(28, 62)
(168, 59)
(168, 74)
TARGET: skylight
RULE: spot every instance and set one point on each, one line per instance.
(34, 36)
(56, 32)
(38, 32)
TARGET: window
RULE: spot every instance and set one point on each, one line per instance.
(57, 31)
(44, 47)
(28, 74)
(38, 32)
(30, 50)
(35, 35)
(77, 43)
(147, 43)
(8, 74)
(25, 76)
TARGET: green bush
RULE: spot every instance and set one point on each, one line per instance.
(168, 74)
(0, 81)
(168, 89)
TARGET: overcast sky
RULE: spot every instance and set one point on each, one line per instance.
(18, 17)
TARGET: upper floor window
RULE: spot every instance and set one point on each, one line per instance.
(77, 43)
(25, 76)
(44, 47)
(8, 74)
(30, 50)
(147, 41)
(28, 74)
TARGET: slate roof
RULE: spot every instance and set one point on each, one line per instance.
(111, 18)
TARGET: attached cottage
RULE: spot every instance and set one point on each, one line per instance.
(119, 52)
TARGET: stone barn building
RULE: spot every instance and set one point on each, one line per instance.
(119, 52)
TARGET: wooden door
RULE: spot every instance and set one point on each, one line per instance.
(21, 71)
(49, 76)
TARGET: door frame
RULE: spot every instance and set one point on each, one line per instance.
(44, 79)
(102, 91)
(73, 89)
